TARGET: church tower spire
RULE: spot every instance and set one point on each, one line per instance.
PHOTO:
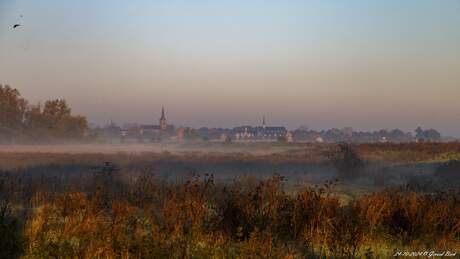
(263, 122)
(163, 113)
(163, 124)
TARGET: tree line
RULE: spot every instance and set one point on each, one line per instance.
(21, 121)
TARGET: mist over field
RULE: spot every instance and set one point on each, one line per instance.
(249, 194)
(229, 129)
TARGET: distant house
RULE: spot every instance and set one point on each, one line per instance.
(319, 139)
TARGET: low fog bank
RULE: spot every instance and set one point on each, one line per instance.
(354, 170)
(252, 148)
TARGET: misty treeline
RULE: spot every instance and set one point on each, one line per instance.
(51, 120)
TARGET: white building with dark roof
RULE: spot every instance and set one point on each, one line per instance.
(259, 133)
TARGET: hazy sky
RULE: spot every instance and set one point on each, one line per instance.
(366, 64)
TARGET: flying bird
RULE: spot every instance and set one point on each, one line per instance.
(16, 25)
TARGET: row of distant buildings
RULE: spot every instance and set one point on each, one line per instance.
(164, 132)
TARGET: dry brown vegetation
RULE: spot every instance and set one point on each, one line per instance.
(111, 212)
(409, 152)
(199, 219)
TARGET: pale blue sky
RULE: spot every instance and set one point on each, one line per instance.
(366, 64)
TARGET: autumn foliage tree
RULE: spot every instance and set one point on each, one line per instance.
(54, 118)
(51, 120)
(12, 108)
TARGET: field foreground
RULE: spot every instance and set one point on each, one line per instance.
(239, 201)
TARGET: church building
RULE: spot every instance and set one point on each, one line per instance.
(151, 132)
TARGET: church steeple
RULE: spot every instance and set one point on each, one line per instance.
(163, 124)
(163, 117)
(263, 122)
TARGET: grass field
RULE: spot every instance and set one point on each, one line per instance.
(228, 201)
